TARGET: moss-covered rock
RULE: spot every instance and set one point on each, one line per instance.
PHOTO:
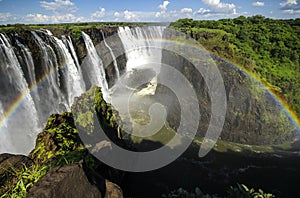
(90, 112)
(59, 137)
(59, 145)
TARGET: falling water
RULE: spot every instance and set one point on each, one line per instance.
(141, 47)
(113, 56)
(94, 68)
(59, 78)
(50, 92)
(14, 87)
(73, 79)
(68, 41)
(28, 62)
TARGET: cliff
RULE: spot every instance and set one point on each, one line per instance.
(60, 163)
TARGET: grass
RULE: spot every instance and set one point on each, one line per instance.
(26, 178)
(163, 136)
(225, 146)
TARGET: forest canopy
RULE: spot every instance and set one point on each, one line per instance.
(266, 47)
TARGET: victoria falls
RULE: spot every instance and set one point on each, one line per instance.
(190, 108)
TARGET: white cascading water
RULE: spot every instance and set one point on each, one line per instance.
(95, 69)
(50, 93)
(29, 62)
(143, 49)
(113, 56)
(21, 118)
(141, 46)
(27, 57)
(68, 41)
(72, 78)
(21, 136)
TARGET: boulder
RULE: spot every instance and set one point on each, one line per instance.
(67, 181)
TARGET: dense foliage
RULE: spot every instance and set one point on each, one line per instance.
(59, 144)
(239, 190)
(268, 48)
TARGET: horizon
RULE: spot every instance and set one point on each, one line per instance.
(78, 11)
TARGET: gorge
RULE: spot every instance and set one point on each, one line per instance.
(43, 71)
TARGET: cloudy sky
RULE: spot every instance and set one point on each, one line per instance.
(60, 11)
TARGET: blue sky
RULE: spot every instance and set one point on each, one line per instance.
(61, 11)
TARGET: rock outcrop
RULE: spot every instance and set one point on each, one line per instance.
(68, 168)
(253, 115)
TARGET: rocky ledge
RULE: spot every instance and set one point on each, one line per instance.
(60, 165)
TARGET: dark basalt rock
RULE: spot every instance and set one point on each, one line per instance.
(67, 181)
(25, 37)
(252, 117)
(71, 170)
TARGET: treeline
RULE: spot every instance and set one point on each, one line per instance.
(266, 47)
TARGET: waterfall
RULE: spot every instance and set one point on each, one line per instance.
(113, 56)
(73, 79)
(29, 69)
(27, 57)
(140, 46)
(143, 49)
(58, 76)
(50, 92)
(68, 41)
(14, 88)
(94, 68)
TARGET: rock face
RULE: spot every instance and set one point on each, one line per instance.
(72, 181)
(91, 114)
(71, 171)
(25, 37)
(59, 137)
(67, 181)
(253, 116)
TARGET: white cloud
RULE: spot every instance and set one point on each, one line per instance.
(99, 14)
(37, 18)
(163, 9)
(117, 14)
(41, 18)
(290, 7)
(288, 2)
(291, 11)
(217, 7)
(186, 10)
(130, 15)
(4, 17)
(258, 3)
(59, 6)
(211, 2)
(203, 11)
(164, 6)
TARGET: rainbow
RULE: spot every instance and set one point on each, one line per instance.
(14, 106)
(279, 100)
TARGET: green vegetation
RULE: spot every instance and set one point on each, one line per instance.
(60, 144)
(270, 49)
(239, 190)
(25, 178)
(59, 137)
(72, 28)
